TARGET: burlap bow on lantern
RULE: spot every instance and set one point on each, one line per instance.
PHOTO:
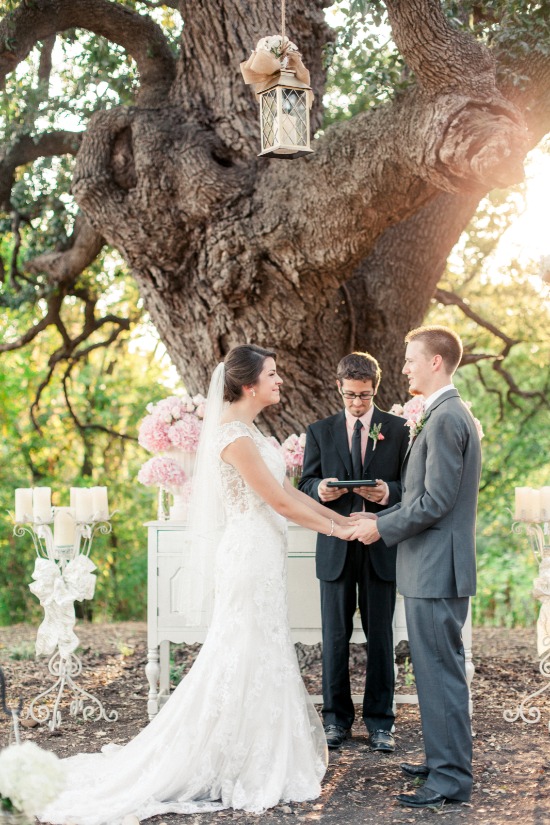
(57, 592)
(263, 66)
(541, 591)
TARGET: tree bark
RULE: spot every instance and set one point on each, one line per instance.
(336, 251)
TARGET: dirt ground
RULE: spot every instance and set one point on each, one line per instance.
(511, 760)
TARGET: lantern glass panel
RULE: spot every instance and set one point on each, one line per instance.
(269, 119)
(294, 118)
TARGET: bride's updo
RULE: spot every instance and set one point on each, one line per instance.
(243, 365)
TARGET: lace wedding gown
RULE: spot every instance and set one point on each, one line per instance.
(240, 730)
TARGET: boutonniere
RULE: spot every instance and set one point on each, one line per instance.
(416, 425)
(376, 435)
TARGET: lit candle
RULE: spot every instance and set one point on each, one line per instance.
(42, 503)
(64, 527)
(522, 503)
(545, 503)
(23, 504)
(100, 502)
(83, 503)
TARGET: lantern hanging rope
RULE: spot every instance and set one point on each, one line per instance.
(281, 81)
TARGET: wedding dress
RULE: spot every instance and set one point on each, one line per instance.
(240, 730)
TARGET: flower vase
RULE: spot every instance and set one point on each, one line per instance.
(294, 474)
(162, 505)
(185, 459)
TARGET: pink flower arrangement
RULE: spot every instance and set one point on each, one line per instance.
(293, 451)
(172, 422)
(162, 471)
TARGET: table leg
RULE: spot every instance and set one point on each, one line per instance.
(152, 671)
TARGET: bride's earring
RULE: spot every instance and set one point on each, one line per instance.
(254, 393)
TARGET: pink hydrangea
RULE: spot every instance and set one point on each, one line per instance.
(172, 422)
(161, 471)
(185, 433)
(153, 434)
(293, 450)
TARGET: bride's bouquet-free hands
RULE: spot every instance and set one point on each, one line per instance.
(345, 530)
(365, 529)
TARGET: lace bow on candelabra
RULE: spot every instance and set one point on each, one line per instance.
(57, 591)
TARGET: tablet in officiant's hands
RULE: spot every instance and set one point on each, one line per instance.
(364, 482)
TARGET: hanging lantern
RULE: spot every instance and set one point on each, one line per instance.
(281, 81)
(284, 117)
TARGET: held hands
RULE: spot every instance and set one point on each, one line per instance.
(365, 529)
(345, 531)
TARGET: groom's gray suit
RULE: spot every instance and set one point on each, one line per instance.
(434, 527)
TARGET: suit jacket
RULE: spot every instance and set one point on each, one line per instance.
(434, 524)
(327, 455)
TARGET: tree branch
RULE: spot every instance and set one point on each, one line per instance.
(443, 59)
(142, 38)
(64, 266)
(27, 149)
(83, 427)
(450, 298)
(51, 317)
(45, 64)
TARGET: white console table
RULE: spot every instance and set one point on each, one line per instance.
(164, 625)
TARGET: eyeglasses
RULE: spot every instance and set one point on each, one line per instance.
(364, 396)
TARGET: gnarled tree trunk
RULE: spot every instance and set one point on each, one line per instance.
(336, 251)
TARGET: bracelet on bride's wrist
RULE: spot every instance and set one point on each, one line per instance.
(331, 528)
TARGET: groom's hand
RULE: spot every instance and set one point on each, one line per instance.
(365, 530)
(329, 493)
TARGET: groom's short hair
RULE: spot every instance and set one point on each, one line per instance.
(439, 341)
(359, 366)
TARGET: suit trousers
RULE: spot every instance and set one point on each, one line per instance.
(437, 653)
(358, 585)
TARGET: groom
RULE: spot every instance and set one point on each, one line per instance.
(434, 526)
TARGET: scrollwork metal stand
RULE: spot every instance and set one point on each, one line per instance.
(65, 667)
(539, 538)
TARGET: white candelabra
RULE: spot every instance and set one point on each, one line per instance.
(63, 574)
(532, 517)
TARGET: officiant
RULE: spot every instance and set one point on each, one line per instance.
(359, 442)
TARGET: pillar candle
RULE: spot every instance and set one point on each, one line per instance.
(545, 503)
(64, 527)
(100, 502)
(522, 499)
(534, 505)
(23, 504)
(42, 503)
(83, 503)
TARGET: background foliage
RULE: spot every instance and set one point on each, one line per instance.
(79, 428)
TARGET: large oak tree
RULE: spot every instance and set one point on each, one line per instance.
(315, 257)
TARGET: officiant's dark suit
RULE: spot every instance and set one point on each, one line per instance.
(349, 576)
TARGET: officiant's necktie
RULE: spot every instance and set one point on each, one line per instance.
(356, 460)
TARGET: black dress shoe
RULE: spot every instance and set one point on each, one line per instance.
(422, 798)
(336, 736)
(382, 740)
(415, 771)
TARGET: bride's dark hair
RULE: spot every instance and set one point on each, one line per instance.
(243, 365)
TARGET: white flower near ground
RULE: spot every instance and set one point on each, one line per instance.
(30, 777)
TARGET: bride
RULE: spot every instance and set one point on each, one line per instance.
(240, 730)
